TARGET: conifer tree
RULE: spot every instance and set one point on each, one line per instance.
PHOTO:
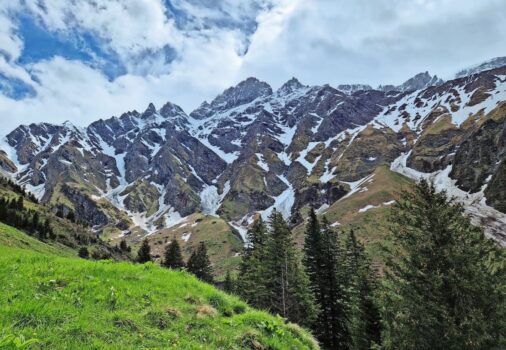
(123, 246)
(83, 253)
(20, 203)
(46, 228)
(229, 283)
(440, 290)
(287, 283)
(144, 253)
(253, 273)
(334, 279)
(199, 264)
(173, 258)
(363, 319)
(35, 222)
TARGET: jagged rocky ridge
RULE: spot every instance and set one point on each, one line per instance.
(252, 150)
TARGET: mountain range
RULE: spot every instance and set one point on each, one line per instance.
(208, 174)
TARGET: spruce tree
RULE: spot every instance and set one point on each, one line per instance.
(441, 289)
(199, 264)
(253, 271)
(315, 269)
(83, 253)
(229, 283)
(144, 253)
(123, 246)
(364, 318)
(335, 311)
(173, 258)
(34, 226)
(20, 203)
(287, 283)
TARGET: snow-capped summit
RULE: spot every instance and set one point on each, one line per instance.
(351, 88)
(419, 81)
(487, 65)
(245, 92)
(289, 87)
(149, 111)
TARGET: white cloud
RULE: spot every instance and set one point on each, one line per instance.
(318, 41)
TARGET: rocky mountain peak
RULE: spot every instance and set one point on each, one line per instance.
(245, 92)
(351, 88)
(289, 87)
(420, 81)
(171, 110)
(487, 65)
(149, 111)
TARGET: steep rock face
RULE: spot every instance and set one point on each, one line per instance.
(496, 189)
(434, 148)
(30, 140)
(6, 164)
(253, 150)
(142, 163)
(86, 208)
(480, 155)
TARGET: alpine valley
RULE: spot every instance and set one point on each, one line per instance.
(206, 175)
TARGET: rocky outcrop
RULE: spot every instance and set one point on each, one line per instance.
(6, 164)
(85, 208)
(480, 155)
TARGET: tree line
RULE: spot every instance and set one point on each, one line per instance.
(198, 263)
(8, 183)
(443, 284)
(14, 213)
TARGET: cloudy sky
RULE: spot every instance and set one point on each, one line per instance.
(82, 60)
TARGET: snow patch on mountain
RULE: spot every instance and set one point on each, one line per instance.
(282, 203)
(211, 200)
(474, 203)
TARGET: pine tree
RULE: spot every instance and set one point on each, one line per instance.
(287, 283)
(440, 290)
(334, 279)
(229, 283)
(123, 246)
(46, 229)
(253, 272)
(364, 318)
(199, 264)
(71, 216)
(20, 203)
(35, 222)
(173, 258)
(144, 253)
(324, 261)
(83, 253)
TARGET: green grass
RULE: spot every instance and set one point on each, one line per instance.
(70, 303)
(11, 238)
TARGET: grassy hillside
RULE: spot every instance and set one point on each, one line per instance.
(69, 236)
(10, 238)
(70, 303)
(366, 209)
(223, 246)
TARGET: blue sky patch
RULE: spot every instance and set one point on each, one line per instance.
(41, 44)
(15, 88)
